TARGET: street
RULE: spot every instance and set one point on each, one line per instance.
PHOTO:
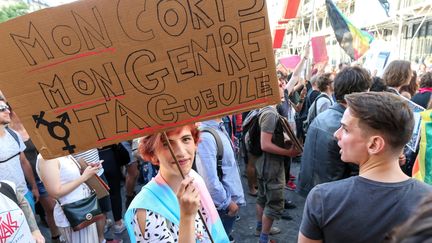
(245, 227)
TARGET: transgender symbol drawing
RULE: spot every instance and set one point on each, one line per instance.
(57, 129)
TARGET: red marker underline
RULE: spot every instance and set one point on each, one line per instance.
(78, 56)
(184, 122)
(91, 102)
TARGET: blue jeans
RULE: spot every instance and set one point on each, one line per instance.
(227, 221)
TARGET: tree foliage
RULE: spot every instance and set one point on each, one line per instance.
(14, 10)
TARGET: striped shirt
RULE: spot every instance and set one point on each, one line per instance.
(90, 156)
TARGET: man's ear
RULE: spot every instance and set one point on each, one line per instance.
(376, 145)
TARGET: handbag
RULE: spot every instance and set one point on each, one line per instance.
(83, 212)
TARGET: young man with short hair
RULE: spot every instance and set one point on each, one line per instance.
(321, 160)
(374, 129)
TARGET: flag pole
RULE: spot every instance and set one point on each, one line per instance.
(309, 61)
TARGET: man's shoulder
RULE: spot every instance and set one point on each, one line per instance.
(10, 133)
(268, 110)
(207, 131)
(339, 183)
(331, 117)
(334, 188)
(421, 186)
(267, 113)
(333, 111)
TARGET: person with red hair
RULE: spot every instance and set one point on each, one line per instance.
(166, 209)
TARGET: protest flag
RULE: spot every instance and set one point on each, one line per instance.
(278, 37)
(291, 8)
(422, 169)
(354, 41)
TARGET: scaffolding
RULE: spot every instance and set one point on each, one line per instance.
(408, 27)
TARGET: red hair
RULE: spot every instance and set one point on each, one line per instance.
(150, 143)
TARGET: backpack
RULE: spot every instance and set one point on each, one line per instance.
(219, 153)
(8, 191)
(15, 136)
(252, 131)
(313, 112)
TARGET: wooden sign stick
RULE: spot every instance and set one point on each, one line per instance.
(181, 173)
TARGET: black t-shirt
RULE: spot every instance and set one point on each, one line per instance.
(422, 99)
(357, 209)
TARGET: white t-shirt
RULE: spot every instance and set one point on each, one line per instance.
(11, 170)
(13, 224)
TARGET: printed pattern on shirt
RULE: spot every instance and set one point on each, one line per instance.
(159, 229)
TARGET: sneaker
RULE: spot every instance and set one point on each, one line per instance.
(273, 231)
(108, 224)
(289, 204)
(286, 215)
(231, 239)
(118, 229)
(237, 218)
(290, 186)
(58, 239)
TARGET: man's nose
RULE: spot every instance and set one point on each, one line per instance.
(179, 150)
(335, 134)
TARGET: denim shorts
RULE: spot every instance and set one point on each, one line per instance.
(41, 188)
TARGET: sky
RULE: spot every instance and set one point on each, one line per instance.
(53, 3)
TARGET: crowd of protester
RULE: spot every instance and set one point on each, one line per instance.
(355, 169)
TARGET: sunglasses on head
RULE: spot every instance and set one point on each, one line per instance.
(4, 108)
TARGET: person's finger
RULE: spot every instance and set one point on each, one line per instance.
(184, 184)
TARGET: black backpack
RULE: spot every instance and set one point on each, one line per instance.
(7, 190)
(15, 136)
(252, 131)
(313, 112)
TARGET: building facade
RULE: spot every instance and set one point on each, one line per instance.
(405, 29)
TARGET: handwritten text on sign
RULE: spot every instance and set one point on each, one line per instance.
(96, 72)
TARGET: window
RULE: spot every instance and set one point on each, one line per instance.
(429, 28)
(422, 31)
(405, 32)
(414, 29)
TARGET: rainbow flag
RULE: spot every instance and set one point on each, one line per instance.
(354, 41)
(422, 169)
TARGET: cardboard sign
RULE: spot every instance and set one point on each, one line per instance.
(290, 62)
(93, 73)
(319, 49)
